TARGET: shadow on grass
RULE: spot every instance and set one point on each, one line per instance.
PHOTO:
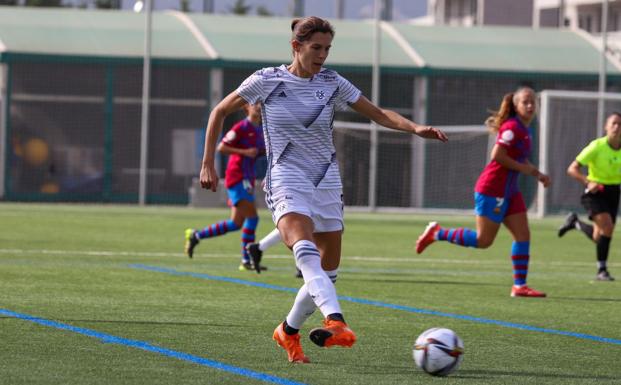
(467, 374)
(138, 322)
(486, 374)
(414, 281)
(588, 299)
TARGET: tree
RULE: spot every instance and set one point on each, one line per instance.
(240, 8)
(108, 4)
(184, 6)
(263, 11)
(8, 2)
(44, 3)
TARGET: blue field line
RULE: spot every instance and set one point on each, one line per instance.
(389, 305)
(107, 338)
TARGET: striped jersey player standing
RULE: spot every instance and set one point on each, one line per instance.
(242, 143)
(303, 184)
(497, 197)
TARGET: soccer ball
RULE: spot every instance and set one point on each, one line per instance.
(438, 351)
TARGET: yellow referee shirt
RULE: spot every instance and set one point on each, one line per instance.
(603, 161)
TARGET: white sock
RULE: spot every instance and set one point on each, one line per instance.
(317, 282)
(304, 306)
(269, 240)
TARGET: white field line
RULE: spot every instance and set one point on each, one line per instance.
(112, 253)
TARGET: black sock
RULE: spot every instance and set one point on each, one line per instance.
(336, 317)
(603, 245)
(288, 329)
(586, 229)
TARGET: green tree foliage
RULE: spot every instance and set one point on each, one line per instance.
(263, 11)
(184, 5)
(240, 8)
(108, 4)
(44, 3)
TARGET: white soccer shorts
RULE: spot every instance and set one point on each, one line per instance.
(324, 207)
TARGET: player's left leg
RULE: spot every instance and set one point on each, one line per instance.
(517, 224)
(334, 331)
(486, 207)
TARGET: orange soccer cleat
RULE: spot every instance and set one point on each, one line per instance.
(525, 291)
(333, 333)
(291, 344)
(427, 237)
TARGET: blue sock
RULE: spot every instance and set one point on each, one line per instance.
(248, 229)
(460, 236)
(520, 256)
(218, 228)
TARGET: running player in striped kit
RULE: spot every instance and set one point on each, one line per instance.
(497, 197)
(242, 143)
(303, 183)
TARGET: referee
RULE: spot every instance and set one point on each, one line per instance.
(602, 157)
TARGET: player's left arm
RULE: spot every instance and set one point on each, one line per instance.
(394, 120)
(500, 155)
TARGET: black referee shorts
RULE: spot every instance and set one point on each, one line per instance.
(605, 201)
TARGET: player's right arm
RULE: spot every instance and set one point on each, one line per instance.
(251, 152)
(231, 103)
(584, 158)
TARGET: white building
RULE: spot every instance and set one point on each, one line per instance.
(583, 14)
(480, 12)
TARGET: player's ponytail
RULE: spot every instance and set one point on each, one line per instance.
(505, 111)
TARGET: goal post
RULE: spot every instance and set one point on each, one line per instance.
(568, 121)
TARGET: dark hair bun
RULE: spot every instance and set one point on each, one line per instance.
(294, 22)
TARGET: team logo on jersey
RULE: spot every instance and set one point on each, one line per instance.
(281, 207)
(506, 137)
(230, 136)
(320, 95)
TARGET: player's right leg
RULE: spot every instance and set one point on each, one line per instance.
(517, 223)
(255, 250)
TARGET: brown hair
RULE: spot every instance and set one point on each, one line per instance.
(303, 28)
(505, 111)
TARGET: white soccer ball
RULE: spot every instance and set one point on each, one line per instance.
(438, 351)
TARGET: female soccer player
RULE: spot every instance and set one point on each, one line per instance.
(497, 198)
(243, 142)
(303, 184)
(601, 191)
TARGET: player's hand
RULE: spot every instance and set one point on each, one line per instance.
(429, 132)
(209, 178)
(544, 179)
(251, 152)
(593, 188)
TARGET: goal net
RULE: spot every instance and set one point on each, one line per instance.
(410, 173)
(568, 122)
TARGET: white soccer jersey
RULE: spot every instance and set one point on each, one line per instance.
(297, 124)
